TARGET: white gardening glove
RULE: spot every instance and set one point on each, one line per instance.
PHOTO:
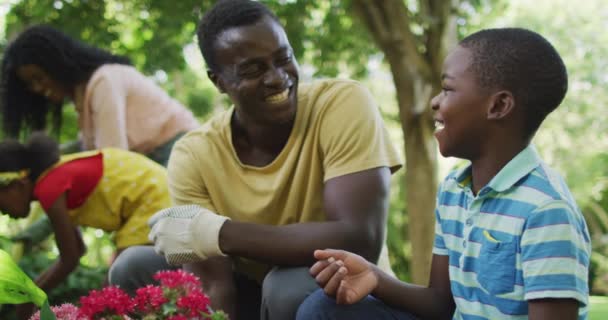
(185, 234)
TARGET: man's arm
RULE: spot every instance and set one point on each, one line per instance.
(356, 207)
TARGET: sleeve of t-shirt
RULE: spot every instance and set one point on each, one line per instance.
(50, 187)
(555, 253)
(353, 137)
(108, 104)
(186, 184)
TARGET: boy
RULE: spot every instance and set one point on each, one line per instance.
(510, 242)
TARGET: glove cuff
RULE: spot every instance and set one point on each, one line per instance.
(205, 229)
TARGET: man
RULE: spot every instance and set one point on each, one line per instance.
(288, 169)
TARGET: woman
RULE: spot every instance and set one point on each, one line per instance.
(117, 106)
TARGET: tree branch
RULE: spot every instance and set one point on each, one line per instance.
(389, 25)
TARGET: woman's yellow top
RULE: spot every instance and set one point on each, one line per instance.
(131, 189)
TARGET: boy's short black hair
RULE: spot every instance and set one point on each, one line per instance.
(224, 15)
(523, 62)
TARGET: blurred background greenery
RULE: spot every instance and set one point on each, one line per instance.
(395, 47)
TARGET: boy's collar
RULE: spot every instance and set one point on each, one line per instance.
(521, 165)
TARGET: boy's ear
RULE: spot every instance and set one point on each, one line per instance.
(217, 81)
(502, 104)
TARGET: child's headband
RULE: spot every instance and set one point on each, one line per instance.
(7, 177)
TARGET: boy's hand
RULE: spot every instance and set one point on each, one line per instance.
(185, 234)
(344, 275)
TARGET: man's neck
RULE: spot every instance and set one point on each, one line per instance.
(255, 143)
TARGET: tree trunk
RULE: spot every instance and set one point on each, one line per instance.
(414, 93)
(416, 76)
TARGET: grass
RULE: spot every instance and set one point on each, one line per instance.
(598, 309)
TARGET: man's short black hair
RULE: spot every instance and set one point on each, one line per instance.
(224, 15)
(524, 63)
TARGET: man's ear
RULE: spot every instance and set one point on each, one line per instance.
(217, 81)
(502, 104)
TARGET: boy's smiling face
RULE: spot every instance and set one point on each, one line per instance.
(460, 108)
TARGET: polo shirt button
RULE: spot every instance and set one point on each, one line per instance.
(469, 222)
(464, 243)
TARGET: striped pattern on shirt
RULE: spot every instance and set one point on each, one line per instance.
(521, 238)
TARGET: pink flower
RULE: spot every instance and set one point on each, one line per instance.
(109, 301)
(65, 311)
(178, 317)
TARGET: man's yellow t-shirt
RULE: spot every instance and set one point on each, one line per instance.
(338, 130)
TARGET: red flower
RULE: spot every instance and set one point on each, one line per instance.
(178, 279)
(149, 299)
(107, 301)
(193, 304)
(179, 297)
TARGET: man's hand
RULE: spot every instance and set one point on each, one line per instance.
(344, 275)
(185, 234)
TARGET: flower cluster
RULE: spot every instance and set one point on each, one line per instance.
(66, 311)
(178, 297)
(106, 303)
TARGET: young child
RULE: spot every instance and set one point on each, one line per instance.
(510, 242)
(110, 189)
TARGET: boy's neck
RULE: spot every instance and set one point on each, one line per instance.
(489, 163)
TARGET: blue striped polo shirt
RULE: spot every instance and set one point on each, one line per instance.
(522, 237)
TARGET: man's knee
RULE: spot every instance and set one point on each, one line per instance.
(135, 267)
(283, 291)
(120, 268)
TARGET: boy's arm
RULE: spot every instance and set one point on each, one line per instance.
(69, 242)
(548, 309)
(432, 302)
(349, 278)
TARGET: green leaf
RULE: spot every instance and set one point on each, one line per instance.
(15, 286)
(169, 308)
(46, 313)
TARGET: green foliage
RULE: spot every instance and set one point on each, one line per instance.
(397, 241)
(150, 32)
(598, 309)
(78, 283)
(324, 34)
(85, 277)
